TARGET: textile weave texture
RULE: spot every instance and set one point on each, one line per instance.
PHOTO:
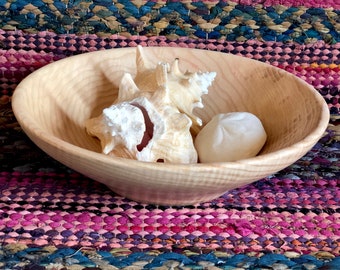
(52, 217)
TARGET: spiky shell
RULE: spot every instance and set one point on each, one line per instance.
(152, 116)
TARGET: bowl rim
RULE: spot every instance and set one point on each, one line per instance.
(30, 127)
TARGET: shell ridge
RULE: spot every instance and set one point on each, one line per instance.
(127, 88)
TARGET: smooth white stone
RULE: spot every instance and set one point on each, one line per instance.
(230, 137)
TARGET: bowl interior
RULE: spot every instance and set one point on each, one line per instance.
(63, 95)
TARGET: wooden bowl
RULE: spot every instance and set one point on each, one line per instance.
(52, 104)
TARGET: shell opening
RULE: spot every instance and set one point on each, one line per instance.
(149, 127)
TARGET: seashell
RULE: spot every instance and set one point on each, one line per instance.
(152, 116)
(230, 137)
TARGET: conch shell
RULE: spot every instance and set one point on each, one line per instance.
(152, 116)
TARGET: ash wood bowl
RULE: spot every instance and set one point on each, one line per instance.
(52, 104)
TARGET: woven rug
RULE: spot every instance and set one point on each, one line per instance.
(54, 218)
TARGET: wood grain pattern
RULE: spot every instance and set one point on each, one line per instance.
(52, 104)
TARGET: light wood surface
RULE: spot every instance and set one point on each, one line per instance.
(53, 103)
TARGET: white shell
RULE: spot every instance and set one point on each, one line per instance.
(230, 137)
(152, 116)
